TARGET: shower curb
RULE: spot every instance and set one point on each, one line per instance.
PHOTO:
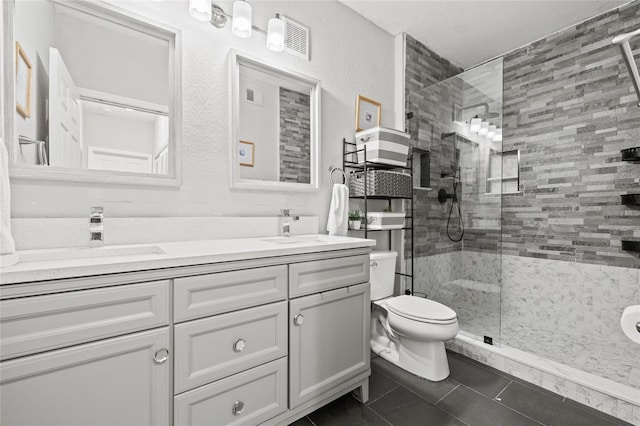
(602, 394)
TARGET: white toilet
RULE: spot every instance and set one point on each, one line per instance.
(408, 331)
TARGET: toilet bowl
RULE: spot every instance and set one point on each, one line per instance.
(408, 331)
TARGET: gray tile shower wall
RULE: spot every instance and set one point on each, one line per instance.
(424, 67)
(569, 107)
(295, 133)
(432, 118)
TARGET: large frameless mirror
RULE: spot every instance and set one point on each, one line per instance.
(275, 122)
(93, 93)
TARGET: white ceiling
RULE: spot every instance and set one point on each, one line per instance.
(469, 32)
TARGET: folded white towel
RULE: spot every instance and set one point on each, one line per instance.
(7, 245)
(338, 221)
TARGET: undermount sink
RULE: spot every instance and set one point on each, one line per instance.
(84, 253)
(293, 240)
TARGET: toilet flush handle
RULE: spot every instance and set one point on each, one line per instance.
(374, 264)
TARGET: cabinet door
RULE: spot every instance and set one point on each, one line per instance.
(329, 341)
(110, 382)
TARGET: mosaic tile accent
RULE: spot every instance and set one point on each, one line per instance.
(467, 283)
(569, 107)
(295, 134)
(570, 313)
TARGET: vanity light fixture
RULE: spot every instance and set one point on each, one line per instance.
(200, 9)
(241, 21)
(491, 132)
(275, 34)
(474, 124)
(484, 128)
(241, 25)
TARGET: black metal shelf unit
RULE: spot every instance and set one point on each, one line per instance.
(350, 152)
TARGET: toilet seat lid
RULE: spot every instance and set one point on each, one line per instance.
(420, 309)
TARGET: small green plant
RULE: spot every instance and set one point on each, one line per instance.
(355, 214)
(388, 209)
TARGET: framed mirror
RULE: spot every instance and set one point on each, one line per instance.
(275, 126)
(102, 86)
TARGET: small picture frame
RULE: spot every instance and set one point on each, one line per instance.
(23, 82)
(246, 153)
(368, 113)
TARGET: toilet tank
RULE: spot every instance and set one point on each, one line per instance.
(382, 268)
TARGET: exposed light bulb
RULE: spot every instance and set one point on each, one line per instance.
(491, 132)
(474, 124)
(241, 26)
(275, 34)
(498, 136)
(484, 128)
(200, 9)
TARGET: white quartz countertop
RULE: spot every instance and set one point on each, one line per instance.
(52, 264)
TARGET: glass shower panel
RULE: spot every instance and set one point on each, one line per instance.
(457, 221)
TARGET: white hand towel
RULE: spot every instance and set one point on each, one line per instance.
(338, 221)
(7, 245)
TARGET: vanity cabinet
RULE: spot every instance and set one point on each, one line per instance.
(329, 341)
(253, 342)
(118, 381)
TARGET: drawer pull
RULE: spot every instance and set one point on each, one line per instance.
(239, 345)
(298, 319)
(238, 408)
(161, 355)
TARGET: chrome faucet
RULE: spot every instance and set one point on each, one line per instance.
(286, 223)
(96, 227)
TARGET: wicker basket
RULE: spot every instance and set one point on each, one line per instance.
(380, 183)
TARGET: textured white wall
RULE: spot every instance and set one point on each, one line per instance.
(349, 55)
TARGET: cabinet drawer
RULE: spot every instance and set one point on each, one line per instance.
(35, 324)
(204, 295)
(322, 275)
(248, 398)
(216, 347)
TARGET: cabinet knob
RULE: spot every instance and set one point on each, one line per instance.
(238, 408)
(161, 355)
(298, 319)
(239, 345)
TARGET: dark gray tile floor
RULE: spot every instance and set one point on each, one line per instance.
(473, 395)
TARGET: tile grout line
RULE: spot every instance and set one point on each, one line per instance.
(310, 421)
(427, 402)
(381, 396)
(378, 414)
(504, 389)
(446, 395)
(504, 405)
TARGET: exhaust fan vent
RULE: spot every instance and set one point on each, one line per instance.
(296, 38)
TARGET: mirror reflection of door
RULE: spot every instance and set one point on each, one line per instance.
(65, 115)
(100, 91)
(275, 115)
